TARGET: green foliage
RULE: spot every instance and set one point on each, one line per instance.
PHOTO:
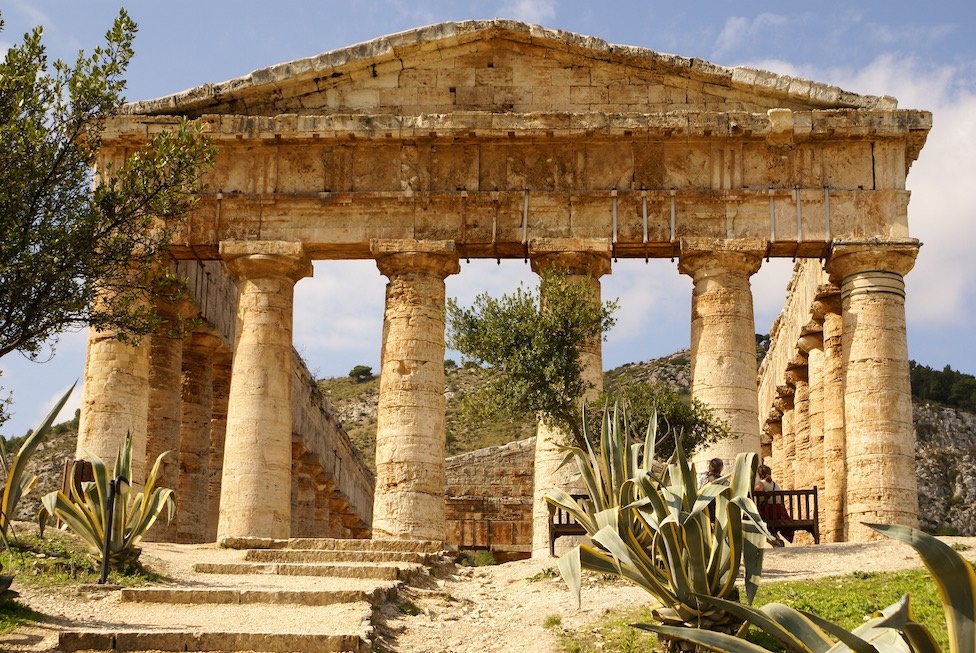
(663, 533)
(552, 621)
(894, 628)
(948, 387)
(75, 253)
(694, 423)
(361, 373)
(532, 349)
(14, 615)
(18, 480)
(86, 513)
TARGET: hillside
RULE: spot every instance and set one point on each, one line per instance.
(946, 461)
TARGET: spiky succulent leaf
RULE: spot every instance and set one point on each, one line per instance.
(19, 481)
(954, 577)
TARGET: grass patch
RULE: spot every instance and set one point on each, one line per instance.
(552, 621)
(613, 634)
(14, 614)
(61, 559)
(844, 600)
(545, 574)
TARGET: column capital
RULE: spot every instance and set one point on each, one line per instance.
(248, 259)
(438, 257)
(203, 341)
(811, 337)
(589, 256)
(857, 257)
(701, 257)
(826, 301)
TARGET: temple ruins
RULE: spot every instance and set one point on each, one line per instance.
(496, 139)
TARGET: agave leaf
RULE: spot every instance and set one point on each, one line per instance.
(60, 506)
(19, 481)
(851, 640)
(920, 638)
(954, 578)
(782, 623)
(650, 440)
(713, 640)
(560, 499)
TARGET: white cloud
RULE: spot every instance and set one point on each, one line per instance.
(529, 11)
(739, 30)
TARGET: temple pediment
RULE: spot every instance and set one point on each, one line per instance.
(501, 66)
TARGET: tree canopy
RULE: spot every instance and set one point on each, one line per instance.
(73, 252)
(692, 421)
(532, 352)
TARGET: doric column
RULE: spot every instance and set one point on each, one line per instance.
(192, 498)
(257, 451)
(115, 401)
(827, 312)
(786, 456)
(409, 499)
(797, 376)
(583, 260)
(880, 446)
(723, 338)
(811, 342)
(163, 421)
(218, 430)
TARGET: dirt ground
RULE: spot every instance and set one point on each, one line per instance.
(496, 609)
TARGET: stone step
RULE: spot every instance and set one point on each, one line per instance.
(325, 543)
(335, 555)
(234, 596)
(375, 571)
(137, 641)
(229, 628)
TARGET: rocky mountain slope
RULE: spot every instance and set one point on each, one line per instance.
(946, 438)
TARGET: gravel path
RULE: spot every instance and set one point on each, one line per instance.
(498, 609)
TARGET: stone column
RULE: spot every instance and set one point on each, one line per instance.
(257, 451)
(786, 456)
(798, 374)
(409, 499)
(587, 261)
(115, 401)
(811, 342)
(880, 446)
(218, 430)
(192, 498)
(723, 339)
(163, 428)
(827, 312)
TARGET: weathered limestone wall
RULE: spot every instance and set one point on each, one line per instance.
(335, 467)
(489, 499)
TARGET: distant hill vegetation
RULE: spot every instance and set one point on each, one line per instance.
(948, 387)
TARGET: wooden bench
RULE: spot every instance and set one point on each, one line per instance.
(801, 505)
(562, 523)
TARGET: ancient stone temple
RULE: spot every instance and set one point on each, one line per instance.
(496, 139)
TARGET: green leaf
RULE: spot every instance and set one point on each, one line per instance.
(954, 577)
(19, 482)
(715, 641)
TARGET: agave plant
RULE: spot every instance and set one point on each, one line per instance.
(85, 512)
(677, 541)
(18, 480)
(893, 629)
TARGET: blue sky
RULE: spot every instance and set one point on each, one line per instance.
(922, 53)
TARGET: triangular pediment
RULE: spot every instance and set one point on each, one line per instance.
(501, 66)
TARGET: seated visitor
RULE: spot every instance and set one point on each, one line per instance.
(772, 509)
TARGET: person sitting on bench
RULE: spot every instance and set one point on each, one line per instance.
(773, 510)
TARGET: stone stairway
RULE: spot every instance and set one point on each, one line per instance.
(301, 595)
